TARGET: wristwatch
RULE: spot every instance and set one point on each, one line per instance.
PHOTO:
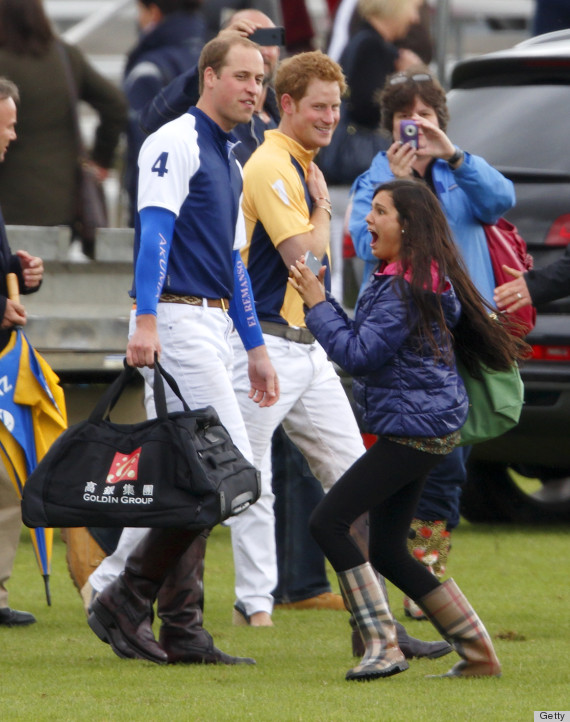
(455, 158)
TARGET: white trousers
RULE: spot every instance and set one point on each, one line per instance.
(197, 352)
(317, 416)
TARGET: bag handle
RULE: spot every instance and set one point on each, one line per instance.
(109, 399)
(107, 402)
(159, 395)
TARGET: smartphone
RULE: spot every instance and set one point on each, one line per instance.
(268, 36)
(312, 262)
(409, 132)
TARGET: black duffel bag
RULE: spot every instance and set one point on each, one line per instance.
(180, 469)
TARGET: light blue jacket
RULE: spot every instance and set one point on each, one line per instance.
(475, 193)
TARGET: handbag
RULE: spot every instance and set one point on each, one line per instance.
(506, 246)
(350, 151)
(495, 403)
(91, 207)
(180, 469)
(90, 210)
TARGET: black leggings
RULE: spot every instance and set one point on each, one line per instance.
(387, 483)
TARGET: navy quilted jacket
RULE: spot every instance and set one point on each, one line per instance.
(398, 391)
(161, 55)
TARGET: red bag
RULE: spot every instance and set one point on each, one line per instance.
(506, 246)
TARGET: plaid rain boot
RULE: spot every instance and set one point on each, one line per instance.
(453, 616)
(428, 542)
(367, 603)
(410, 646)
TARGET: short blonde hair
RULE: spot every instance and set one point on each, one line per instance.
(383, 8)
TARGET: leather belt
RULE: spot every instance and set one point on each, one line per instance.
(291, 333)
(222, 303)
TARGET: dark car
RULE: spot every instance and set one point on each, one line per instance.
(510, 107)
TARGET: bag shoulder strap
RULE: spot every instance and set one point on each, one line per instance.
(73, 94)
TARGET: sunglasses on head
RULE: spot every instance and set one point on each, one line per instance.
(403, 78)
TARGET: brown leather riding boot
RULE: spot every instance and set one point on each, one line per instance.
(122, 614)
(181, 609)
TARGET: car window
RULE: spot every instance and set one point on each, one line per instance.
(513, 126)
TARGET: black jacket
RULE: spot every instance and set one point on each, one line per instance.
(9, 263)
(551, 282)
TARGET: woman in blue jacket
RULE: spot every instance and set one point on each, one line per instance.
(399, 350)
(470, 192)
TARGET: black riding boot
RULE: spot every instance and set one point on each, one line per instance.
(122, 614)
(181, 609)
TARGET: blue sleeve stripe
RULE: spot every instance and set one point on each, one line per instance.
(157, 227)
(242, 308)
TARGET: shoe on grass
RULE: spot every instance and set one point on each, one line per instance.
(14, 618)
(326, 600)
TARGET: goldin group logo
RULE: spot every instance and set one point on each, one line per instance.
(124, 468)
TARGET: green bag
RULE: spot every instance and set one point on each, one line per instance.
(495, 403)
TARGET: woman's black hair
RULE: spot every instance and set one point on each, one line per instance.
(480, 336)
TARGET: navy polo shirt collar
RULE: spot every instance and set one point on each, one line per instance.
(217, 132)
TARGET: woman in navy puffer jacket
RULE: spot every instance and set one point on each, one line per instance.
(398, 391)
(401, 351)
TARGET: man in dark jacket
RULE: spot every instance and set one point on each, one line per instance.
(29, 270)
(172, 36)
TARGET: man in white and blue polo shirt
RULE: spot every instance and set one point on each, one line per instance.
(189, 231)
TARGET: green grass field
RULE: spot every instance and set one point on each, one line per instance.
(516, 578)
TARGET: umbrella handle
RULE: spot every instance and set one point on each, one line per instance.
(13, 287)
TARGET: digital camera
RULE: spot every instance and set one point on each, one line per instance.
(409, 132)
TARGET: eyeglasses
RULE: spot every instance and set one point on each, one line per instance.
(403, 78)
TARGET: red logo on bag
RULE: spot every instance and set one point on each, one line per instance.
(125, 467)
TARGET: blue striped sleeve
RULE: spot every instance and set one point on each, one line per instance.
(157, 226)
(242, 307)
